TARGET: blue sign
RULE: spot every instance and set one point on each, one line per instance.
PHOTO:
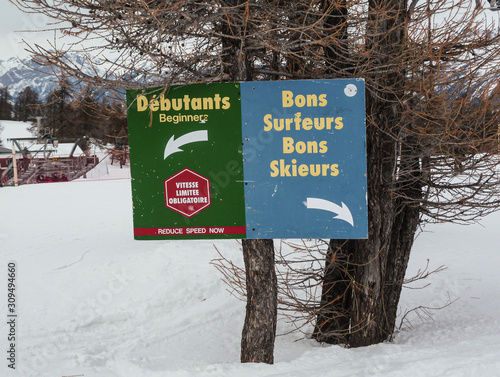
(304, 159)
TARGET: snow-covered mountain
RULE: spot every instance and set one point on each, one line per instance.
(17, 74)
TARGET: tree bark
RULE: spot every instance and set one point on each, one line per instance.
(259, 330)
(404, 229)
(337, 53)
(235, 60)
(333, 315)
(378, 259)
(379, 262)
(370, 255)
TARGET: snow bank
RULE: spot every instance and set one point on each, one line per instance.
(11, 129)
(94, 302)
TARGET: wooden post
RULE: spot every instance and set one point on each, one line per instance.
(14, 164)
(38, 126)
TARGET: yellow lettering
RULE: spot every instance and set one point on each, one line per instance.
(217, 100)
(267, 121)
(300, 100)
(163, 118)
(324, 168)
(164, 103)
(185, 103)
(294, 168)
(329, 122)
(186, 100)
(288, 145)
(307, 124)
(309, 100)
(315, 170)
(154, 105)
(303, 170)
(208, 103)
(274, 168)
(322, 100)
(319, 123)
(196, 104)
(279, 124)
(312, 100)
(297, 121)
(300, 147)
(142, 103)
(177, 104)
(338, 123)
(322, 147)
(335, 170)
(284, 169)
(287, 97)
(312, 147)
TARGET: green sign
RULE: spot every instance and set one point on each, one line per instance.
(281, 159)
(187, 173)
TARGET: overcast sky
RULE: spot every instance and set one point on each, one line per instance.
(12, 21)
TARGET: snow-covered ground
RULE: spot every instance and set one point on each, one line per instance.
(94, 302)
(11, 129)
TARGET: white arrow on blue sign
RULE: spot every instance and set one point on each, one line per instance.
(303, 153)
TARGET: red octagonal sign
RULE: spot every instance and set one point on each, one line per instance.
(187, 192)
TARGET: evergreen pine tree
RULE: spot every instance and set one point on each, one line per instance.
(5, 104)
(59, 114)
(27, 105)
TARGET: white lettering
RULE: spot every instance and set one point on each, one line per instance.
(186, 184)
(170, 231)
(216, 230)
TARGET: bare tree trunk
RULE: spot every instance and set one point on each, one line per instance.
(377, 258)
(370, 257)
(336, 54)
(404, 229)
(333, 318)
(372, 283)
(333, 315)
(259, 331)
